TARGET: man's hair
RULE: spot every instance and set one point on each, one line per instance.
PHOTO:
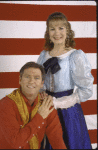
(69, 42)
(32, 65)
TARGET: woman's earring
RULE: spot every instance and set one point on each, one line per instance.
(67, 36)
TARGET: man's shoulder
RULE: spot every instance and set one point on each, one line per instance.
(4, 99)
(6, 102)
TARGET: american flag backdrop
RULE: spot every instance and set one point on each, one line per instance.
(22, 28)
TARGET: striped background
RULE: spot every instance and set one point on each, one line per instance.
(22, 27)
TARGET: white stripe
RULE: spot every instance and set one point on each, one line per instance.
(36, 29)
(53, 2)
(13, 63)
(91, 121)
(84, 29)
(92, 58)
(94, 146)
(94, 96)
(5, 91)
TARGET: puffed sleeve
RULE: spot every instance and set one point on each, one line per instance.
(41, 57)
(40, 61)
(81, 74)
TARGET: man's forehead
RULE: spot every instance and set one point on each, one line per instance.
(32, 71)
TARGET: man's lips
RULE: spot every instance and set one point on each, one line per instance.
(30, 87)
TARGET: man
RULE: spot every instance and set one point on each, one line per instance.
(25, 118)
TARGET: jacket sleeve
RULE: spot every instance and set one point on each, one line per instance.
(54, 131)
(11, 127)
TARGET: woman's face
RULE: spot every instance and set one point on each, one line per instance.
(57, 32)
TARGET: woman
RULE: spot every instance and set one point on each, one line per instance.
(66, 68)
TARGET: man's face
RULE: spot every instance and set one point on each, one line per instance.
(31, 82)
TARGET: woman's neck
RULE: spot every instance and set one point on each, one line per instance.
(59, 50)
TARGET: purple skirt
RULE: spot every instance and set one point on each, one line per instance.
(75, 133)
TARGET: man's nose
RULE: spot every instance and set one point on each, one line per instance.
(31, 80)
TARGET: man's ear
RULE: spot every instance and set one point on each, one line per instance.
(42, 83)
(19, 79)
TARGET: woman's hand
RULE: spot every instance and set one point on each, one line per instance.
(45, 107)
(43, 95)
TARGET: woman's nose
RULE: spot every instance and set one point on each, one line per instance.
(56, 31)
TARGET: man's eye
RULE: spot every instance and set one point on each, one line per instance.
(61, 28)
(37, 78)
(26, 76)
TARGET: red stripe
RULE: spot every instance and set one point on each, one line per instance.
(89, 107)
(35, 46)
(11, 79)
(93, 135)
(21, 46)
(88, 45)
(41, 12)
(94, 73)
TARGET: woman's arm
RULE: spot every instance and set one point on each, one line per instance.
(81, 75)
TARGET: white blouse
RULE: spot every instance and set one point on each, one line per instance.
(75, 71)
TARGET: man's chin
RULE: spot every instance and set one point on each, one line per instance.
(32, 92)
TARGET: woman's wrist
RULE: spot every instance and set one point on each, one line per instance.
(55, 102)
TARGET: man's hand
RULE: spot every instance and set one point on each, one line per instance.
(44, 109)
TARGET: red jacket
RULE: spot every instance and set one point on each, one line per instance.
(12, 136)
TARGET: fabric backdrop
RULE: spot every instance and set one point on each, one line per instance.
(22, 28)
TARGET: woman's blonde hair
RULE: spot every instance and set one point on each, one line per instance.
(69, 42)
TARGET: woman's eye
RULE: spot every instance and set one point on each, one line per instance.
(51, 29)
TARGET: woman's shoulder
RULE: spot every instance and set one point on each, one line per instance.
(41, 57)
(78, 58)
(43, 52)
(77, 54)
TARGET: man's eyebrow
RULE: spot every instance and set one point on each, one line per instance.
(26, 74)
(37, 75)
